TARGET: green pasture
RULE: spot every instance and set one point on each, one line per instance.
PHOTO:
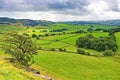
(63, 65)
(118, 42)
(78, 67)
(8, 28)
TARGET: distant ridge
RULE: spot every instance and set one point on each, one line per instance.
(29, 22)
(102, 22)
(25, 22)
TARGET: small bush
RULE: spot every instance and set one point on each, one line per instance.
(108, 53)
(26, 34)
(27, 27)
(52, 49)
(64, 50)
(56, 40)
(87, 53)
(40, 35)
(46, 34)
(33, 30)
(40, 48)
(37, 38)
(44, 30)
(79, 51)
(34, 35)
(60, 49)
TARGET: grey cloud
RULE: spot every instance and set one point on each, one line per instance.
(113, 5)
(41, 5)
(76, 4)
(70, 7)
(1, 4)
(47, 5)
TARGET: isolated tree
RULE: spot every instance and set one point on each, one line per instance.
(21, 47)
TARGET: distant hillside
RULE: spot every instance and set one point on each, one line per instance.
(102, 22)
(25, 22)
(29, 22)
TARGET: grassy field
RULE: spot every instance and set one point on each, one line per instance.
(66, 41)
(118, 41)
(63, 65)
(9, 72)
(7, 28)
(72, 27)
(78, 67)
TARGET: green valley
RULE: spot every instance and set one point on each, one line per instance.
(57, 55)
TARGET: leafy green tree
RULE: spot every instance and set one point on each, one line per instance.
(21, 47)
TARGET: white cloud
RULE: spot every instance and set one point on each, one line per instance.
(60, 17)
(61, 10)
(97, 7)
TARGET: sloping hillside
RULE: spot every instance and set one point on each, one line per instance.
(10, 72)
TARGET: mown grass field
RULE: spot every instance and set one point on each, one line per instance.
(8, 28)
(78, 67)
(72, 27)
(63, 65)
(66, 41)
(118, 41)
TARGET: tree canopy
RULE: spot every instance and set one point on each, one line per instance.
(99, 44)
(21, 47)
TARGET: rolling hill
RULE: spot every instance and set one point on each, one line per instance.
(29, 22)
(25, 22)
(60, 65)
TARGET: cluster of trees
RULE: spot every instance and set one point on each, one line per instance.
(90, 30)
(79, 31)
(112, 31)
(62, 33)
(100, 29)
(53, 34)
(99, 44)
(45, 35)
(59, 30)
(104, 30)
(109, 30)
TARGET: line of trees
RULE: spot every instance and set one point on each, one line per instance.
(59, 30)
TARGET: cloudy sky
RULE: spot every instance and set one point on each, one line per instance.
(61, 10)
